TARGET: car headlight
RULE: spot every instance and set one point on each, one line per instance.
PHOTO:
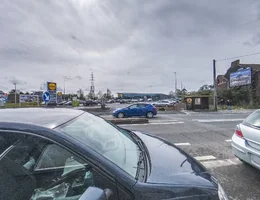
(221, 193)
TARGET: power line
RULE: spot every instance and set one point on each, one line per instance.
(235, 57)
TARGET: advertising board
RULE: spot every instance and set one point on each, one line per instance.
(240, 77)
(28, 98)
(52, 89)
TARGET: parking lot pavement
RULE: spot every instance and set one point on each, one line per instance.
(207, 137)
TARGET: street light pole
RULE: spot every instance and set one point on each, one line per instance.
(175, 74)
(15, 93)
(214, 83)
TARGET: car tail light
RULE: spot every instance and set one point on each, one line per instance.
(239, 132)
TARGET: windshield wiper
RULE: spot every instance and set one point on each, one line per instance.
(140, 163)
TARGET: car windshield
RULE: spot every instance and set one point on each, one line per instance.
(113, 143)
(253, 119)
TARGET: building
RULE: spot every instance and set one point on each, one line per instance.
(156, 96)
(223, 81)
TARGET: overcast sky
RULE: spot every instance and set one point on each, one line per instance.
(130, 45)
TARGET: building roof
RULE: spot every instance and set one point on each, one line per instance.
(235, 65)
(141, 94)
(46, 117)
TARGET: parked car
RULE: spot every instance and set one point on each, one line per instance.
(246, 140)
(48, 152)
(68, 103)
(110, 101)
(164, 103)
(90, 103)
(140, 109)
(123, 101)
(61, 103)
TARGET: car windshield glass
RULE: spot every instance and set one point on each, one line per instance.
(253, 119)
(114, 144)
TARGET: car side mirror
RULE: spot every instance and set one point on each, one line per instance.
(94, 193)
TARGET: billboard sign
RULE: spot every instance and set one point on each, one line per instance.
(241, 77)
(28, 98)
(52, 89)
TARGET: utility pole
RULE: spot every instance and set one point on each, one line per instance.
(175, 74)
(215, 87)
(92, 86)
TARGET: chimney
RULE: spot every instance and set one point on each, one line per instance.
(235, 63)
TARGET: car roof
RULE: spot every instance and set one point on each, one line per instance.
(46, 117)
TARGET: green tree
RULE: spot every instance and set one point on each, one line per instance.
(206, 90)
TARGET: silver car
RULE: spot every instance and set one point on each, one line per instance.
(246, 140)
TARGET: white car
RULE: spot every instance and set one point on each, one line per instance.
(246, 140)
(164, 103)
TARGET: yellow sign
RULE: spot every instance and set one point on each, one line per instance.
(121, 95)
(59, 94)
(52, 86)
(189, 100)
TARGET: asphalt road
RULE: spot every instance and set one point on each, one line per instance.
(207, 136)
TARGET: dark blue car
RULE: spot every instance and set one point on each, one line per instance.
(139, 109)
(56, 154)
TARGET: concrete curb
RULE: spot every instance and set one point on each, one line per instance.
(129, 121)
(96, 109)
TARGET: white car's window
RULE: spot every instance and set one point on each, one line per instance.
(253, 119)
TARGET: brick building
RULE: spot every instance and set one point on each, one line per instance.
(254, 88)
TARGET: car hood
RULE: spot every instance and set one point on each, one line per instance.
(171, 165)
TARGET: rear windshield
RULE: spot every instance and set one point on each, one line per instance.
(253, 119)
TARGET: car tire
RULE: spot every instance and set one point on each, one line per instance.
(244, 162)
(120, 115)
(149, 115)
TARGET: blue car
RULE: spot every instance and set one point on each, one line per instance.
(139, 109)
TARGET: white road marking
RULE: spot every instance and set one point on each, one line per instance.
(217, 120)
(153, 123)
(182, 144)
(166, 123)
(221, 163)
(228, 140)
(204, 158)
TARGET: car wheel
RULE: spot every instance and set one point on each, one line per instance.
(149, 115)
(244, 162)
(120, 115)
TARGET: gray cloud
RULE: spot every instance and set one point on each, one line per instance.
(130, 45)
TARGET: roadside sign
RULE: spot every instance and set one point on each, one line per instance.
(46, 97)
(189, 100)
(52, 89)
(51, 86)
(59, 94)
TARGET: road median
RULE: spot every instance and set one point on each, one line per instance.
(127, 120)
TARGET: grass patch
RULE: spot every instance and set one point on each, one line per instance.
(22, 105)
(239, 107)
